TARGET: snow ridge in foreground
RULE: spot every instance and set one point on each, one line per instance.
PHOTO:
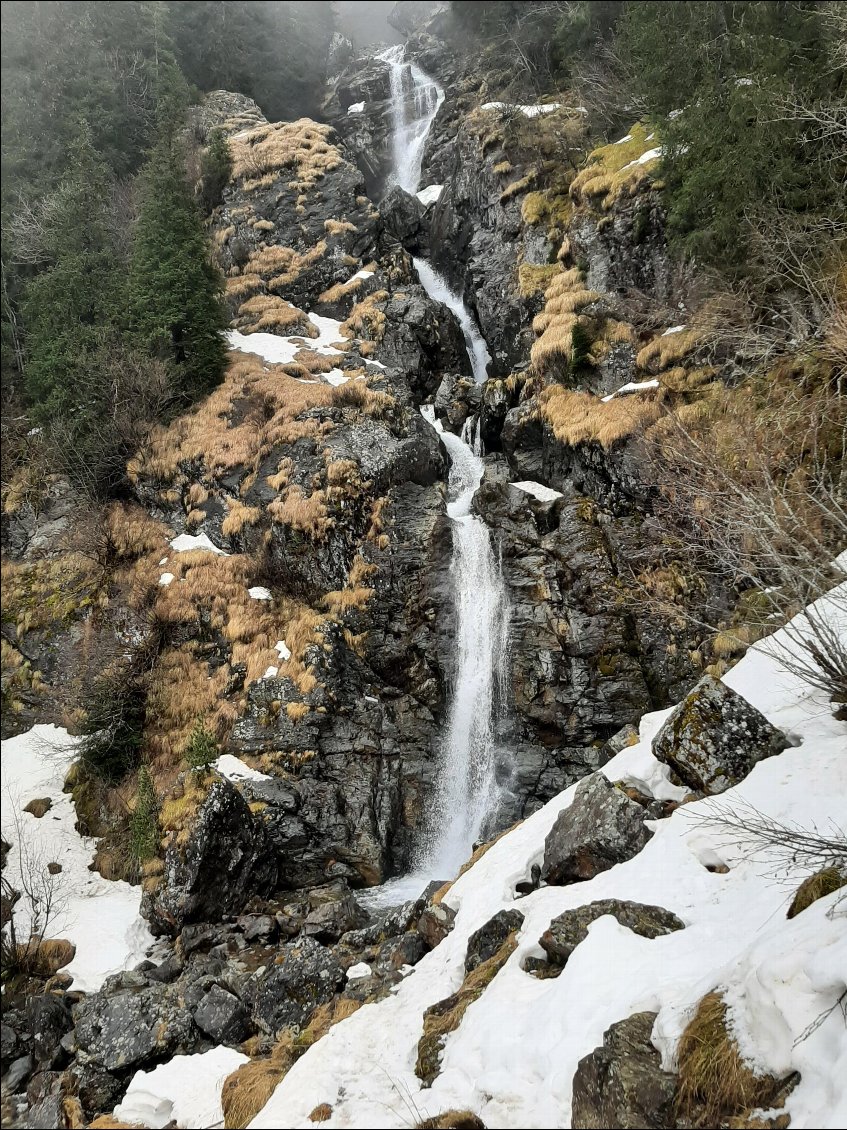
(513, 1058)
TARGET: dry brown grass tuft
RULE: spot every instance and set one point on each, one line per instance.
(666, 350)
(817, 886)
(343, 290)
(306, 513)
(366, 320)
(534, 277)
(238, 517)
(715, 1084)
(518, 186)
(248, 1088)
(243, 286)
(339, 227)
(267, 312)
(580, 417)
(301, 148)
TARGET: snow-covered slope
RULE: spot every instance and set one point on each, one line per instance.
(513, 1057)
(99, 916)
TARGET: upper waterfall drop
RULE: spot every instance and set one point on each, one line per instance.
(415, 100)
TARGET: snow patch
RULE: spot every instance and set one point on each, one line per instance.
(271, 673)
(166, 578)
(98, 915)
(631, 386)
(645, 158)
(357, 972)
(281, 649)
(528, 111)
(538, 490)
(186, 1091)
(186, 542)
(234, 769)
(259, 592)
(336, 377)
(356, 108)
(674, 330)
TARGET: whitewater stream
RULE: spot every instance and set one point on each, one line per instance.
(466, 791)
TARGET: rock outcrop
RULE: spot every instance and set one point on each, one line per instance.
(567, 930)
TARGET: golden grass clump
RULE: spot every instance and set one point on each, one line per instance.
(342, 290)
(366, 320)
(615, 169)
(131, 532)
(267, 312)
(815, 887)
(564, 297)
(518, 186)
(580, 417)
(270, 403)
(339, 227)
(302, 148)
(238, 517)
(502, 168)
(264, 225)
(618, 333)
(239, 287)
(666, 350)
(715, 1084)
(296, 710)
(533, 277)
(306, 513)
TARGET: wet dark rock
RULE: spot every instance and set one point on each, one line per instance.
(487, 940)
(9, 1042)
(567, 930)
(97, 1090)
(602, 827)
(714, 738)
(259, 927)
(227, 860)
(328, 922)
(403, 216)
(527, 886)
(222, 1016)
(622, 1082)
(48, 1017)
(308, 975)
(435, 924)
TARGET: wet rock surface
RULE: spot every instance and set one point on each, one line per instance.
(567, 930)
(601, 828)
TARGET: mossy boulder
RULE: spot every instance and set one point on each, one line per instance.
(621, 1083)
(714, 738)
(567, 930)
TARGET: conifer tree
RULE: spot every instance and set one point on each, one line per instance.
(69, 307)
(176, 294)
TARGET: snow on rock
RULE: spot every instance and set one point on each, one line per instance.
(539, 491)
(282, 350)
(185, 1092)
(271, 673)
(364, 273)
(513, 1057)
(98, 915)
(356, 108)
(645, 158)
(186, 542)
(673, 330)
(358, 971)
(259, 592)
(625, 138)
(281, 648)
(166, 579)
(430, 194)
(631, 386)
(336, 377)
(527, 111)
(234, 769)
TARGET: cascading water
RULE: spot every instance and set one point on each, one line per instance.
(466, 791)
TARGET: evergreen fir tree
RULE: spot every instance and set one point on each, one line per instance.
(176, 294)
(68, 308)
(215, 169)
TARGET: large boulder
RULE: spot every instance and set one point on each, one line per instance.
(621, 1083)
(601, 828)
(714, 737)
(567, 930)
(228, 859)
(222, 1016)
(133, 1026)
(288, 994)
(488, 939)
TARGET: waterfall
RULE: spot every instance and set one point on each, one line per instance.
(466, 790)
